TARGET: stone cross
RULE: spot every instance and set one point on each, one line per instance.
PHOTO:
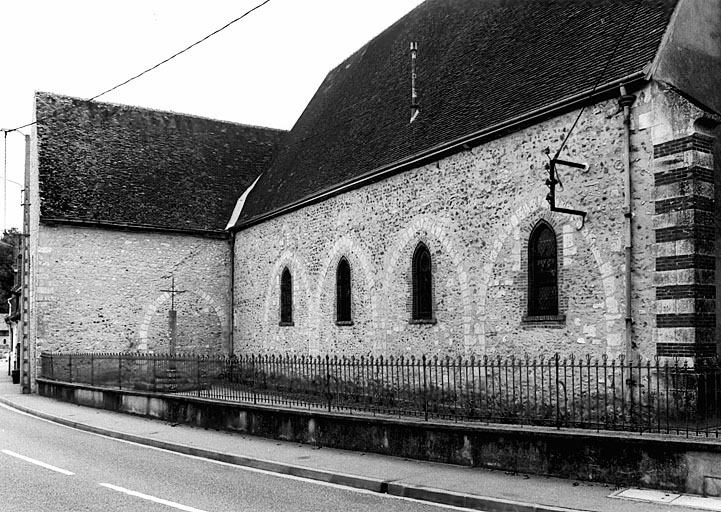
(172, 314)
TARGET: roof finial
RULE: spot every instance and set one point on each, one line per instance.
(415, 108)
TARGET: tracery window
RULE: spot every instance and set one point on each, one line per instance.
(422, 284)
(343, 292)
(542, 272)
(286, 298)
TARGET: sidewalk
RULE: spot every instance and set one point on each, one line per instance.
(492, 491)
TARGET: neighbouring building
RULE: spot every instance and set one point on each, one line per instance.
(126, 215)
(482, 178)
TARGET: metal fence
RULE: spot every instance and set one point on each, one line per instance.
(601, 394)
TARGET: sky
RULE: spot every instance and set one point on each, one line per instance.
(262, 70)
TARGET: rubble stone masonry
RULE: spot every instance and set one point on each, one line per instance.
(104, 290)
(475, 211)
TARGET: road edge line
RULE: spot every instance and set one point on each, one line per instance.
(427, 494)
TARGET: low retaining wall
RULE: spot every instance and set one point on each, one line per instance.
(625, 459)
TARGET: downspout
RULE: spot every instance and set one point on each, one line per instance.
(231, 319)
(230, 227)
(625, 101)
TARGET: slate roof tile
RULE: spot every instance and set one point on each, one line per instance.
(480, 63)
(116, 164)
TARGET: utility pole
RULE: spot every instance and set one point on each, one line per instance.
(5, 180)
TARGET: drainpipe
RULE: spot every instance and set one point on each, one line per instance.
(625, 101)
(231, 319)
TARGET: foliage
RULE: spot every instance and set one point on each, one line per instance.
(7, 276)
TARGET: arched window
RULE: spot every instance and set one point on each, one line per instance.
(542, 272)
(286, 298)
(422, 284)
(343, 292)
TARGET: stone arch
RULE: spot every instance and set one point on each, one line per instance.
(151, 311)
(519, 225)
(434, 232)
(357, 256)
(213, 304)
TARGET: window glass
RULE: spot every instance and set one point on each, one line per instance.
(286, 297)
(343, 292)
(422, 284)
(543, 272)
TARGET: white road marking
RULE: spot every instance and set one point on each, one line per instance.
(245, 468)
(38, 463)
(152, 498)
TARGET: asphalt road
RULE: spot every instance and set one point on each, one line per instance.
(48, 467)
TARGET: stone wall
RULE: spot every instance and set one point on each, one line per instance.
(684, 174)
(109, 290)
(475, 211)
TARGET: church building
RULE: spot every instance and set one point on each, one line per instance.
(380, 229)
(483, 178)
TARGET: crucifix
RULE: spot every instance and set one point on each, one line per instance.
(173, 314)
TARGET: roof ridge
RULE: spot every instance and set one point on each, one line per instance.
(126, 106)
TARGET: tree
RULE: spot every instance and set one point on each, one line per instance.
(7, 276)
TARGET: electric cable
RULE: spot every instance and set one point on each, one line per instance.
(600, 76)
(155, 66)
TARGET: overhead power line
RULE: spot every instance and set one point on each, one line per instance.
(156, 65)
(601, 75)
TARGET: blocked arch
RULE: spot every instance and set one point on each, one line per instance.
(358, 258)
(152, 309)
(519, 227)
(434, 233)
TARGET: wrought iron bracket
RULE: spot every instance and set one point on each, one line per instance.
(553, 180)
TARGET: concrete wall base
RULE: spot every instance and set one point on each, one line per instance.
(624, 459)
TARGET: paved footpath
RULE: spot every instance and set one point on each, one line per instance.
(475, 488)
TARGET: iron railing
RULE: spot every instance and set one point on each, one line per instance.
(602, 394)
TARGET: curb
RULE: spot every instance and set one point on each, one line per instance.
(470, 501)
(433, 495)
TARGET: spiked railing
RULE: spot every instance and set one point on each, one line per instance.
(590, 393)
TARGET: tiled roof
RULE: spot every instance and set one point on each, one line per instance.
(480, 63)
(116, 164)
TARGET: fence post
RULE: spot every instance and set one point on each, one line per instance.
(425, 386)
(252, 371)
(120, 371)
(92, 369)
(198, 373)
(52, 366)
(70, 375)
(327, 381)
(558, 404)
